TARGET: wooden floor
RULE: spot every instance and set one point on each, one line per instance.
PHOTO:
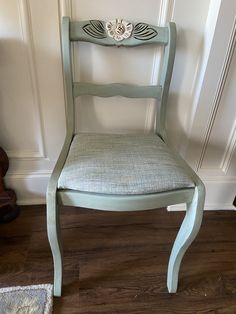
(117, 262)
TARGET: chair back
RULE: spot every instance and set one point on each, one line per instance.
(118, 33)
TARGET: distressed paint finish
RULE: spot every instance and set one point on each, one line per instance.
(194, 197)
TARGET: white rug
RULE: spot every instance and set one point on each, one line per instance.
(36, 299)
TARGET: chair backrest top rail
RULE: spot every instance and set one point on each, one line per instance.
(117, 89)
(118, 33)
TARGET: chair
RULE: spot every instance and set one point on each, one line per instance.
(122, 172)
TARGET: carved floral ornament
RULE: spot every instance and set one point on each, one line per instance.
(119, 30)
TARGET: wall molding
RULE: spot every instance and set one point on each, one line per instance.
(165, 15)
(229, 150)
(27, 37)
(219, 92)
(208, 35)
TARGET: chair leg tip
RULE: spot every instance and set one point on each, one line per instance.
(172, 288)
(56, 292)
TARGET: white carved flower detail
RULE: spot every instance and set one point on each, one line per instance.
(119, 29)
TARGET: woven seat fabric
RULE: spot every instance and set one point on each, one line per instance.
(121, 164)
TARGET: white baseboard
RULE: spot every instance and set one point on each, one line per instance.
(222, 206)
(177, 208)
(30, 188)
(32, 201)
(220, 193)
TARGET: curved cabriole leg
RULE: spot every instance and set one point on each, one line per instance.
(187, 233)
(53, 230)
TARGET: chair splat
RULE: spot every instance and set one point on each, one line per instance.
(118, 33)
(116, 89)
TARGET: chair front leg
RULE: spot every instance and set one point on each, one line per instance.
(187, 233)
(54, 237)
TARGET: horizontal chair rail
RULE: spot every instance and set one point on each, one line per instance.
(124, 202)
(116, 89)
(94, 31)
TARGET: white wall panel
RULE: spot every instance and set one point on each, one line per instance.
(211, 149)
(46, 31)
(20, 120)
(31, 94)
(220, 142)
(190, 17)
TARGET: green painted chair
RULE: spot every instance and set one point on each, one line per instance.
(122, 172)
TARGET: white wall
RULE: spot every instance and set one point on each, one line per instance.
(32, 119)
(32, 123)
(212, 137)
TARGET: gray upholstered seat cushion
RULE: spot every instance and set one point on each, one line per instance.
(121, 164)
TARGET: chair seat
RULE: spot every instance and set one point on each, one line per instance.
(121, 164)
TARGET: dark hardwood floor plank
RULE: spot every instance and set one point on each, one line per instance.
(117, 262)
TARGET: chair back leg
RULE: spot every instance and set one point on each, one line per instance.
(54, 237)
(187, 233)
